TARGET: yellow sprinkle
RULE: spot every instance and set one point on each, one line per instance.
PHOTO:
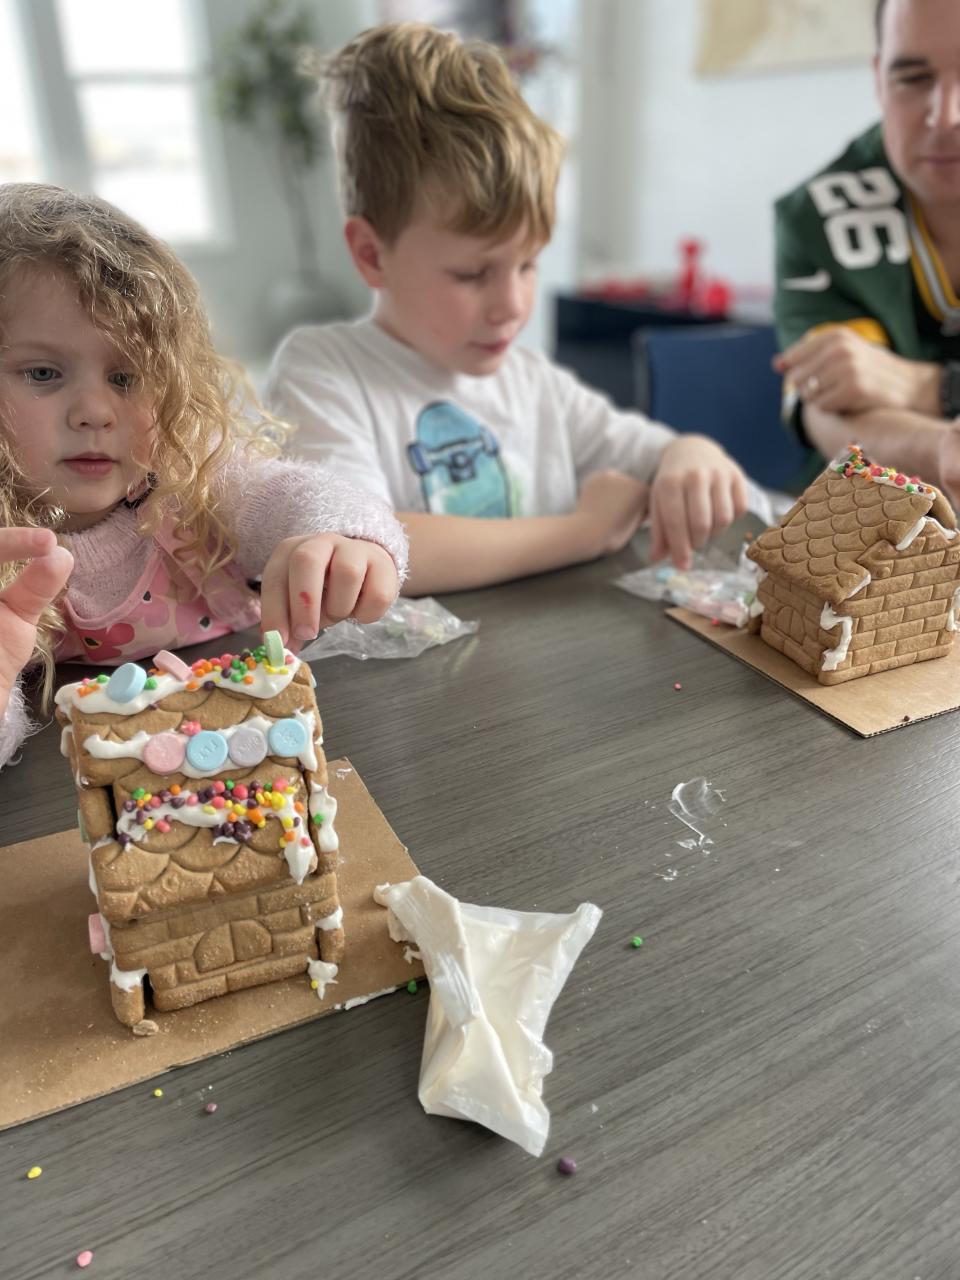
(35, 1172)
(284, 671)
(287, 823)
(158, 1093)
(148, 824)
(314, 983)
(262, 823)
(208, 808)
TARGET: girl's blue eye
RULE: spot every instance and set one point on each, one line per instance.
(470, 277)
(41, 373)
(124, 381)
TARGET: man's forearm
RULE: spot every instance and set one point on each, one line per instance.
(457, 553)
(894, 437)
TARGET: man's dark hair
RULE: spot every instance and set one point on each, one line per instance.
(878, 18)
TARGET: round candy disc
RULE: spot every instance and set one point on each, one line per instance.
(276, 654)
(172, 665)
(287, 737)
(207, 750)
(164, 753)
(247, 746)
(126, 682)
(98, 938)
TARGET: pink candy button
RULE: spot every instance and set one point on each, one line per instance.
(164, 753)
(172, 665)
(98, 938)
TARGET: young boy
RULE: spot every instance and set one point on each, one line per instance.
(499, 463)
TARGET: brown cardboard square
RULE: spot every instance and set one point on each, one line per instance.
(60, 1042)
(873, 704)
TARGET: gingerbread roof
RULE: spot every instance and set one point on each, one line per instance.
(828, 539)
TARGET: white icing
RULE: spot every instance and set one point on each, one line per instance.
(126, 979)
(410, 954)
(828, 620)
(918, 529)
(65, 736)
(358, 1000)
(264, 684)
(860, 586)
(756, 604)
(954, 608)
(333, 921)
(321, 798)
(299, 857)
(108, 954)
(133, 748)
(323, 975)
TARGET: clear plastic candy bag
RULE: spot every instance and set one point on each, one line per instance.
(716, 587)
(407, 629)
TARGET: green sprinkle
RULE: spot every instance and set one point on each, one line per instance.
(102, 679)
(911, 488)
(150, 682)
(318, 819)
(229, 784)
(412, 986)
(636, 941)
(139, 793)
(236, 677)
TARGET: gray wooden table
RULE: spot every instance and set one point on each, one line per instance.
(766, 1088)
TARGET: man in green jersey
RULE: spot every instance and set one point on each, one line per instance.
(868, 264)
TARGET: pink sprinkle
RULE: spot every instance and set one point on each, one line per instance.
(218, 802)
(288, 657)
(162, 825)
(193, 798)
(304, 841)
(219, 787)
(240, 791)
(678, 685)
(84, 1258)
(210, 1108)
(226, 659)
(155, 802)
(280, 784)
(190, 727)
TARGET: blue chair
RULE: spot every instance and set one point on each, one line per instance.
(717, 380)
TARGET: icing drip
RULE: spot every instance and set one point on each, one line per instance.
(954, 609)
(333, 921)
(126, 979)
(323, 805)
(828, 620)
(860, 585)
(322, 974)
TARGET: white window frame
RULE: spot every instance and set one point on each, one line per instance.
(65, 157)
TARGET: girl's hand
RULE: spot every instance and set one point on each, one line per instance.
(698, 490)
(40, 581)
(312, 582)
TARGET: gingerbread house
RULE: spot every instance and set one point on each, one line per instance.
(861, 575)
(204, 803)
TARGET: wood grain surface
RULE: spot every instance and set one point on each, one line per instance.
(766, 1088)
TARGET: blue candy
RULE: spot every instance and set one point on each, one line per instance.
(207, 750)
(287, 738)
(126, 682)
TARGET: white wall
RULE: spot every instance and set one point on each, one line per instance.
(667, 155)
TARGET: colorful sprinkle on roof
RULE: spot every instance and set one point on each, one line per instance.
(852, 463)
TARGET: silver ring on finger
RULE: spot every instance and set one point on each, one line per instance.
(812, 385)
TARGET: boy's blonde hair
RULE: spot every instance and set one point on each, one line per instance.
(138, 293)
(420, 115)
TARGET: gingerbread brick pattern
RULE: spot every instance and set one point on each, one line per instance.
(203, 798)
(861, 575)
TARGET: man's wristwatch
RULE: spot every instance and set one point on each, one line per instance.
(950, 389)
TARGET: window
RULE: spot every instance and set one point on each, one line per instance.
(122, 88)
(19, 143)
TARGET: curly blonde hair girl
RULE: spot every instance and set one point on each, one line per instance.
(141, 297)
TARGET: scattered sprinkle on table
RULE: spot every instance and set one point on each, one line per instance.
(678, 685)
(158, 1093)
(35, 1172)
(636, 941)
(210, 1108)
(412, 986)
(84, 1258)
(566, 1165)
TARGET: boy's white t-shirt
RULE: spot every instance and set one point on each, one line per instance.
(518, 442)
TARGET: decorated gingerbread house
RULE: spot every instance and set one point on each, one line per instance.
(862, 574)
(203, 799)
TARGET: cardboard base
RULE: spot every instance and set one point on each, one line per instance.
(60, 1043)
(871, 705)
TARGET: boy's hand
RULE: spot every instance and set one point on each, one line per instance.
(314, 581)
(40, 581)
(610, 507)
(698, 490)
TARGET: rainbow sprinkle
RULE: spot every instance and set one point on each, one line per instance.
(209, 673)
(853, 463)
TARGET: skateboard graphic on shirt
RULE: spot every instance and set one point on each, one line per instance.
(459, 464)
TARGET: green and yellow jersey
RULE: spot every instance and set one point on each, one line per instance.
(852, 248)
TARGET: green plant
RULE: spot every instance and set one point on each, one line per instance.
(257, 85)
